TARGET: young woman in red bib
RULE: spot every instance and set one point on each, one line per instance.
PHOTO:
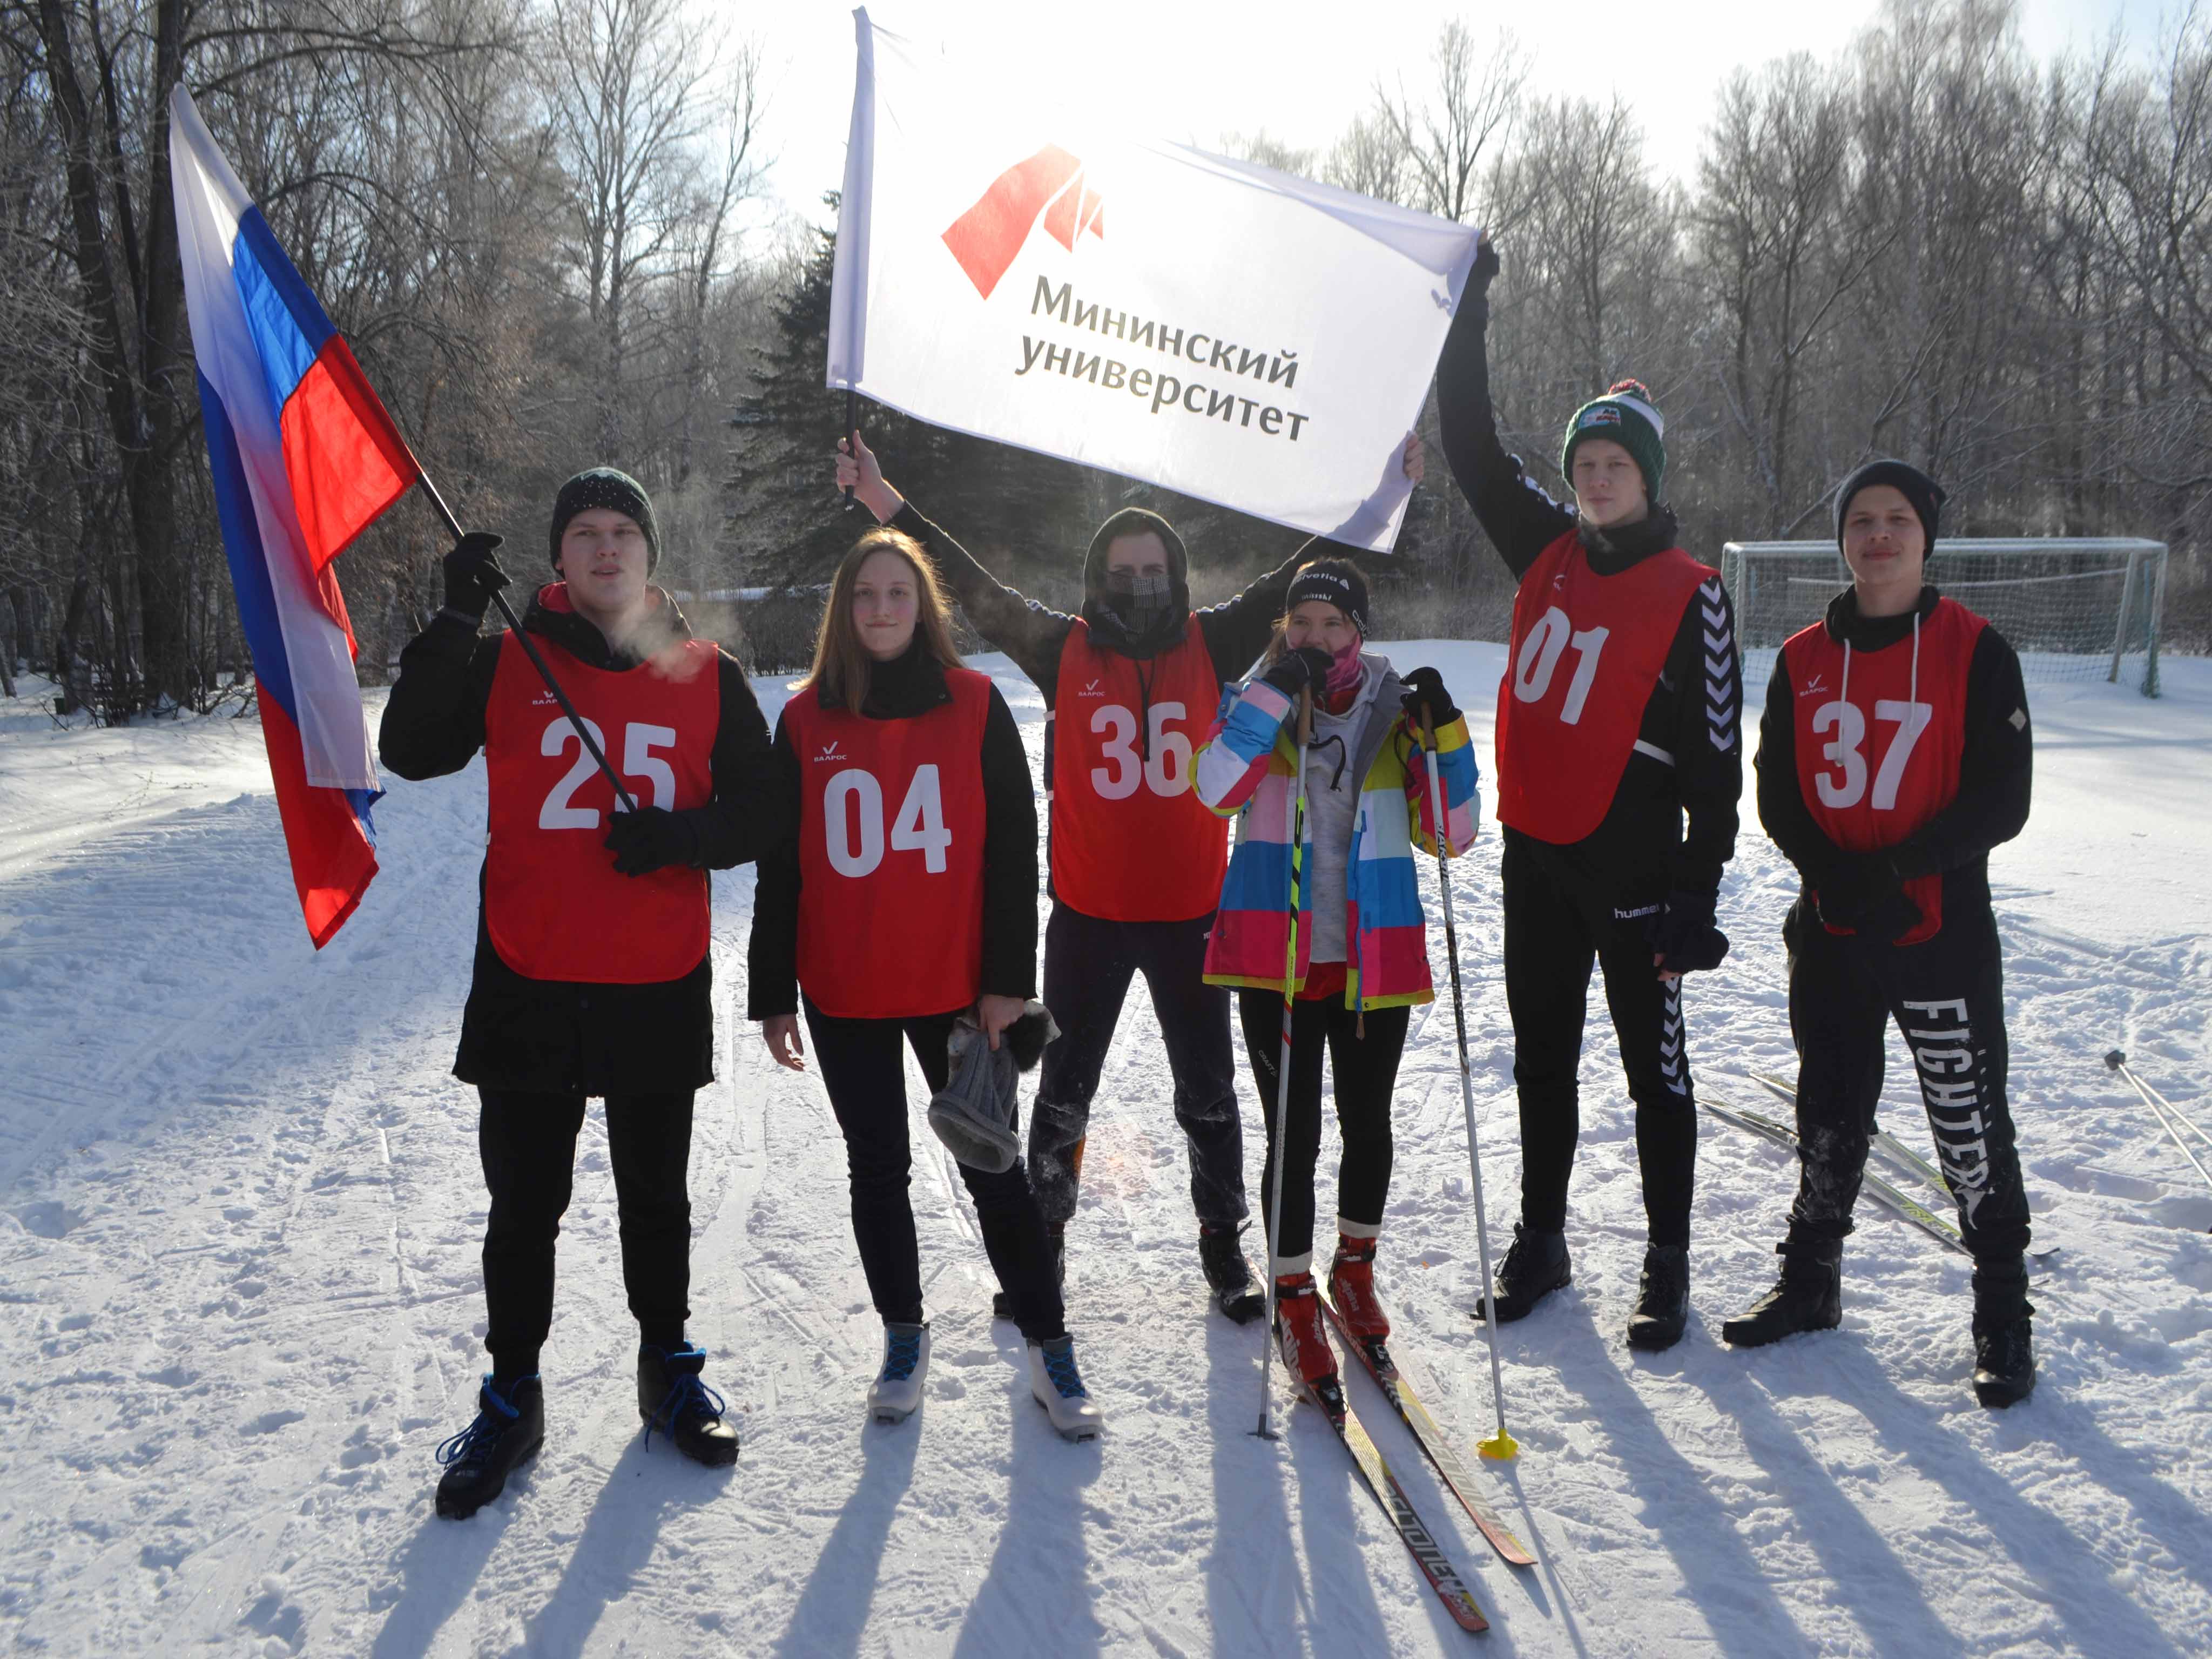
(1617, 721)
(1894, 753)
(592, 970)
(907, 898)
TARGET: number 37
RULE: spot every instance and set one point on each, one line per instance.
(1848, 721)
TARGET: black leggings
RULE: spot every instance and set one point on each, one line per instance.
(528, 1145)
(1555, 928)
(1365, 1069)
(861, 1069)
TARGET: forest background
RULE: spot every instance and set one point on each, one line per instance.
(545, 226)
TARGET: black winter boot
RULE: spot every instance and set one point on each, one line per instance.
(2004, 1351)
(672, 1398)
(1809, 1297)
(1002, 1302)
(1235, 1292)
(1533, 1268)
(1663, 1299)
(479, 1459)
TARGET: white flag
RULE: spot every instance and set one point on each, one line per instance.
(1034, 277)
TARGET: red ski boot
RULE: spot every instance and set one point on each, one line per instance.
(1351, 1288)
(1306, 1352)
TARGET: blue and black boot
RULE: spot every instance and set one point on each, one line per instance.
(672, 1398)
(510, 1426)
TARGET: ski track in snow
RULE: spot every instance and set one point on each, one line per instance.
(240, 1212)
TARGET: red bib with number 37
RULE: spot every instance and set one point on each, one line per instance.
(1879, 734)
(554, 905)
(1586, 651)
(1130, 842)
(890, 854)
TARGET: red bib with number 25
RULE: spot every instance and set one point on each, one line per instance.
(554, 904)
(1879, 734)
(1130, 842)
(890, 854)
(1587, 649)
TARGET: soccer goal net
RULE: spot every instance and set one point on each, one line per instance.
(2074, 609)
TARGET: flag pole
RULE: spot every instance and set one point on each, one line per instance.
(530, 648)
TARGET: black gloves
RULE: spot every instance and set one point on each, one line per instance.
(1294, 671)
(1683, 936)
(1484, 268)
(1865, 894)
(652, 838)
(472, 574)
(1425, 685)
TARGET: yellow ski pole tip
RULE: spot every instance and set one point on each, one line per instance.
(1502, 1446)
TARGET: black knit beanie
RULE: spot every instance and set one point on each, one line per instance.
(1335, 582)
(1924, 494)
(617, 491)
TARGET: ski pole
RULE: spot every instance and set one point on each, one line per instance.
(1502, 1445)
(2167, 1106)
(2119, 1062)
(530, 649)
(1297, 827)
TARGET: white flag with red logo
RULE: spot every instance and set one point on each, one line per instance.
(1035, 276)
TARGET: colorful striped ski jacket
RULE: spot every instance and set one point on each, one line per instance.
(1249, 769)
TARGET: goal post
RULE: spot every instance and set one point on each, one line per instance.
(2074, 608)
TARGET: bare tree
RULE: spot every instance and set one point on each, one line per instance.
(1445, 135)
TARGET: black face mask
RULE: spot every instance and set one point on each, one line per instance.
(1143, 604)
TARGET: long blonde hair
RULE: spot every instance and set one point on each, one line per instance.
(842, 668)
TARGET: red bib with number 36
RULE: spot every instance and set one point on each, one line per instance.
(1130, 842)
(1879, 734)
(554, 904)
(1586, 651)
(890, 854)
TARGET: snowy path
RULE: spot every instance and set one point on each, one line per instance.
(239, 1214)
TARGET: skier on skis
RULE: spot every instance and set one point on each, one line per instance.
(592, 971)
(1362, 958)
(907, 898)
(1894, 753)
(1617, 717)
(1136, 865)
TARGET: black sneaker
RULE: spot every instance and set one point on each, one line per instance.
(1533, 1268)
(1663, 1298)
(479, 1459)
(1809, 1297)
(672, 1398)
(2004, 1364)
(1002, 1302)
(1235, 1292)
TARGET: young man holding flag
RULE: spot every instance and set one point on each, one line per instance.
(1131, 684)
(592, 974)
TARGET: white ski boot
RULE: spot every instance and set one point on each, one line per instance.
(1058, 1387)
(897, 1389)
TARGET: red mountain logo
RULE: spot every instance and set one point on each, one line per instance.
(987, 239)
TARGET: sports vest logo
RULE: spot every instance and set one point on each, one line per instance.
(988, 238)
(1091, 688)
(831, 753)
(1816, 685)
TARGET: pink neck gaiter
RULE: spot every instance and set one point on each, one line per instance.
(1342, 685)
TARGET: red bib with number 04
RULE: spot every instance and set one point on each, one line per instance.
(554, 903)
(1878, 746)
(1130, 842)
(1586, 651)
(890, 854)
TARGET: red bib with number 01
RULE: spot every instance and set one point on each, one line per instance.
(554, 904)
(1876, 764)
(890, 854)
(1130, 842)
(1586, 651)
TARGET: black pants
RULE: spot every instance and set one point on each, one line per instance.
(1947, 995)
(1554, 928)
(1088, 965)
(861, 1067)
(528, 1144)
(1365, 1069)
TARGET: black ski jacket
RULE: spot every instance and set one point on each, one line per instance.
(900, 690)
(1995, 768)
(557, 1035)
(1693, 712)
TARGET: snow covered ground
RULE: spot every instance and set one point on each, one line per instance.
(239, 1214)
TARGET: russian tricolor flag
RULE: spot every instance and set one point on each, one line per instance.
(305, 458)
